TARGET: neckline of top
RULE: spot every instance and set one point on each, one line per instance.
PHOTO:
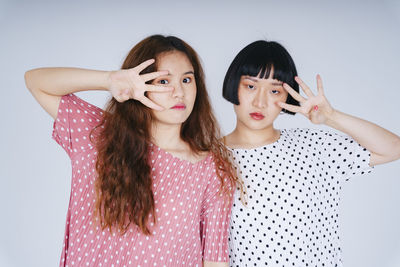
(177, 159)
(282, 131)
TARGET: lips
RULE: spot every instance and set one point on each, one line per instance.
(257, 116)
(179, 106)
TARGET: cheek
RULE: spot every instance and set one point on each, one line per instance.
(245, 101)
(191, 94)
(283, 96)
(241, 96)
(272, 99)
(149, 95)
(157, 97)
(244, 98)
(239, 109)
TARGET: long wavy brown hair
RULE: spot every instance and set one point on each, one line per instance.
(124, 193)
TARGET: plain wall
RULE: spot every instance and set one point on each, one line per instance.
(354, 45)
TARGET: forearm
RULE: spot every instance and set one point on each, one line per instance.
(48, 85)
(383, 144)
(62, 81)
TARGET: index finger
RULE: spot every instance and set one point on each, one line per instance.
(304, 86)
(319, 85)
(158, 88)
(147, 102)
(293, 93)
(152, 75)
(144, 65)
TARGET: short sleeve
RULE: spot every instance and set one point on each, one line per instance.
(344, 155)
(74, 123)
(215, 218)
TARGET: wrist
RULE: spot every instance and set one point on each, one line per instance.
(331, 117)
(107, 78)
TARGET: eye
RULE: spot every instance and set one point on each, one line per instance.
(163, 81)
(275, 92)
(187, 80)
(251, 87)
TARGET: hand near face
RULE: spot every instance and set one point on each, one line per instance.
(315, 107)
(130, 84)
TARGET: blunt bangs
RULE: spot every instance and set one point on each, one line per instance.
(258, 59)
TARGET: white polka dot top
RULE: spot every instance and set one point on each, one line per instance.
(192, 217)
(293, 192)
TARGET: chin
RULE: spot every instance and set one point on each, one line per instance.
(173, 121)
(257, 125)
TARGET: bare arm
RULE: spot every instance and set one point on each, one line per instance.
(48, 85)
(215, 264)
(383, 144)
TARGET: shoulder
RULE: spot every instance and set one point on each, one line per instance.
(75, 104)
(73, 126)
(307, 134)
(229, 141)
(76, 112)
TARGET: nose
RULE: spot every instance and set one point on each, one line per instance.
(260, 99)
(178, 91)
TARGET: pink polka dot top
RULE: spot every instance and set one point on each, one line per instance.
(192, 217)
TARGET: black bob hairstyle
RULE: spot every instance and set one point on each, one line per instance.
(257, 59)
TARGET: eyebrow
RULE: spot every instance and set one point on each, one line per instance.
(277, 83)
(251, 79)
(186, 73)
(256, 80)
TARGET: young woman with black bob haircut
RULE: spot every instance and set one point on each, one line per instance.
(151, 183)
(293, 177)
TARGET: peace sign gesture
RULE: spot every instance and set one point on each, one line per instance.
(315, 107)
(129, 84)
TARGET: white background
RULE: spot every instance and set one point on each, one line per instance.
(354, 45)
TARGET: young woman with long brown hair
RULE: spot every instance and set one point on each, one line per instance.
(151, 183)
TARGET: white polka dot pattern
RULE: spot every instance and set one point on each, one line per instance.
(293, 192)
(192, 218)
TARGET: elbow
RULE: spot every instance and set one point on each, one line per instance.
(28, 79)
(32, 81)
(392, 153)
(397, 148)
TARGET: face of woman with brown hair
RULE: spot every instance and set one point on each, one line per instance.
(177, 104)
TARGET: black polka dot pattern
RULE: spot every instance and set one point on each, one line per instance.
(293, 191)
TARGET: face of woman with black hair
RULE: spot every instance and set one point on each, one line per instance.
(257, 107)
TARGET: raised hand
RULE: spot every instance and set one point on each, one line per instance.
(129, 84)
(315, 107)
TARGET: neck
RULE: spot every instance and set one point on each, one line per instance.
(244, 137)
(166, 136)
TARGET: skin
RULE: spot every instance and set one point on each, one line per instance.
(168, 121)
(48, 85)
(383, 144)
(180, 76)
(256, 95)
(173, 83)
